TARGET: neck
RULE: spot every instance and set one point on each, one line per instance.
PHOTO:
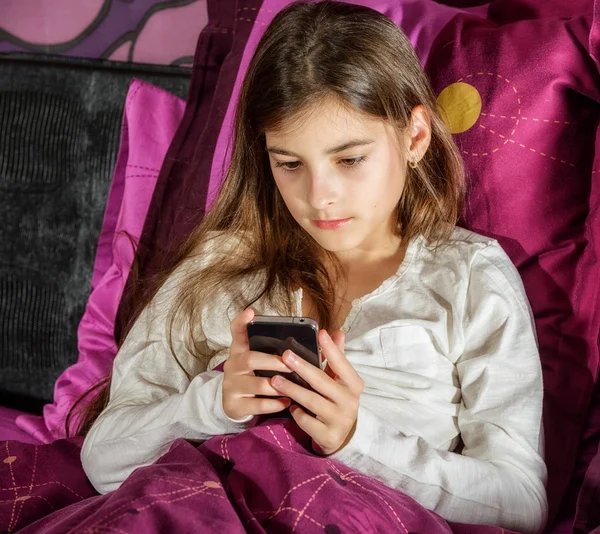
(362, 258)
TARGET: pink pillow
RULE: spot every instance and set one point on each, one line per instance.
(150, 119)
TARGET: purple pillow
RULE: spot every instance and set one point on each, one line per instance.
(528, 141)
(150, 119)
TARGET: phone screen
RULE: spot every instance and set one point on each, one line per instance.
(277, 338)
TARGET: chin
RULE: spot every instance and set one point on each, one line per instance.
(334, 241)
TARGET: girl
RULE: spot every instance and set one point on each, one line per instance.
(340, 204)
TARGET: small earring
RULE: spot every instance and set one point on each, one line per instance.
(413, 164)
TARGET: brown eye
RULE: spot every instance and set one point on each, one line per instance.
(288, 165)
(351, 162)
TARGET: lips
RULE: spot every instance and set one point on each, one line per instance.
(331, 224)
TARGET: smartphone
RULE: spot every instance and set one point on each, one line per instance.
(276, 334)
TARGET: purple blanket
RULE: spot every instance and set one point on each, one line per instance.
(263, 480)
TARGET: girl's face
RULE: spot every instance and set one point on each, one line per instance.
(341, 175)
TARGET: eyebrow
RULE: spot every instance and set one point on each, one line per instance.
(334, 150)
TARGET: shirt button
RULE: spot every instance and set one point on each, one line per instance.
(345, 329)
(356, 302)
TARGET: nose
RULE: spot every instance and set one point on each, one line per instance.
(322, 190)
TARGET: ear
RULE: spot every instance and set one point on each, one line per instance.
(418, 134)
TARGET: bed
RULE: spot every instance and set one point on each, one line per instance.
(519, 85)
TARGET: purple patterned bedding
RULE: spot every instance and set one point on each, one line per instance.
(263, 480)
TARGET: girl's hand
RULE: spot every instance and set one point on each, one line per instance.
(240, 385)
(335, 400)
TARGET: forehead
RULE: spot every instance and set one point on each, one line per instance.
(327, 119)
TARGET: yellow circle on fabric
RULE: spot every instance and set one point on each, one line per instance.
(460, 104)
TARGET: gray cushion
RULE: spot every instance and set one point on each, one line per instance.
(60, 127)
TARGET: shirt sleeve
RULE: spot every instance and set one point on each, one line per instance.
(152, 401)
(499, 478)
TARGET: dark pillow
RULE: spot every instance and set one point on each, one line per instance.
(150, 120)
(59, 136)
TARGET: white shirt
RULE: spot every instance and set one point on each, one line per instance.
(446, 348)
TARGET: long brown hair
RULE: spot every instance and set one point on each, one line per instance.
(310, 53)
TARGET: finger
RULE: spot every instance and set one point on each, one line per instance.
(322, 407)
(319, 380)
(311, 425)
(265, 406)
(260, 361)
(339, 363)
(239, 334)
(303, 352)
(339, 338)
(256, 385)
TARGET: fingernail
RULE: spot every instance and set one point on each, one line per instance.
(289, 357)
(278, 381)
